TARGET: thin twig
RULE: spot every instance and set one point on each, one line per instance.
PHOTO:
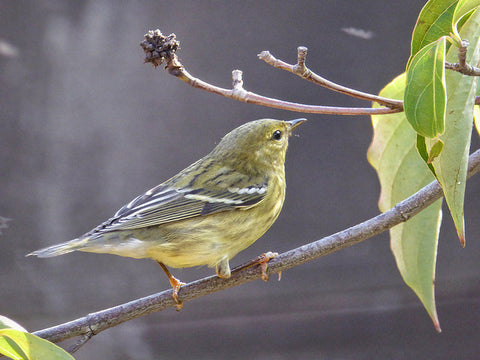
(159, 48)
(102, 320)
(305, 73)
(175, 68)
(80, 342)
(462, 67)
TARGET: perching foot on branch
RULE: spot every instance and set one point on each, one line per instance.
(176, 285)
(261, 260)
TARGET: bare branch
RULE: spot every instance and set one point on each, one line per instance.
(462, 67)
(159, 48)
(82, 341)
(305, 73)
(96, 322)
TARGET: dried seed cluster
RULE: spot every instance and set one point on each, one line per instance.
(158, 47)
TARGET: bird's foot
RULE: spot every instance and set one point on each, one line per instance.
(261, 260)
(176, 285)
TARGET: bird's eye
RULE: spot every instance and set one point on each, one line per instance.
(277, 135)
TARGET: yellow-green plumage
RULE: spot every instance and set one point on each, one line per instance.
(208, 212)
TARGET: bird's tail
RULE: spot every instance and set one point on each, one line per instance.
(60, 249)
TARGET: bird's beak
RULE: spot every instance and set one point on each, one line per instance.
(294, 123)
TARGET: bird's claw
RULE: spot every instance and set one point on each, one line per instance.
(176, 285)
(261, 260)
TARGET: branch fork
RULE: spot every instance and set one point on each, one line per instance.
(462, 67)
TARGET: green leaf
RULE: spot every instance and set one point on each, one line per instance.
(7, 346)
(463, 10)
(25, 346)
(402, 172)
(31, 347)
(424, 99)
(423, 152)
(6, 323)
(17, 343)
(451, 165)
(434, 21)
(435, 150)
(422, 147)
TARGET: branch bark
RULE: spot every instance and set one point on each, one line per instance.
(94, 323)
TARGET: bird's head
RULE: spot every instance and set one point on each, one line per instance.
(259, 144)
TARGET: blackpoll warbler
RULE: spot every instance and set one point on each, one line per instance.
(207, 213)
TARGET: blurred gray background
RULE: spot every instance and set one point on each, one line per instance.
(85, 126)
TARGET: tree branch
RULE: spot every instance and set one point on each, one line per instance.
(159, 48)
(94, 323)
(305, 73)
(462, 67)
(80, 342)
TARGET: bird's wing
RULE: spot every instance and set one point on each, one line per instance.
(165, 204)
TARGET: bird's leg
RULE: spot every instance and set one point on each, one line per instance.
(223, 268)
(261, 260)
(176, 285)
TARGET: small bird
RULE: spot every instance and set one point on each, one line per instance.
(207, 213)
